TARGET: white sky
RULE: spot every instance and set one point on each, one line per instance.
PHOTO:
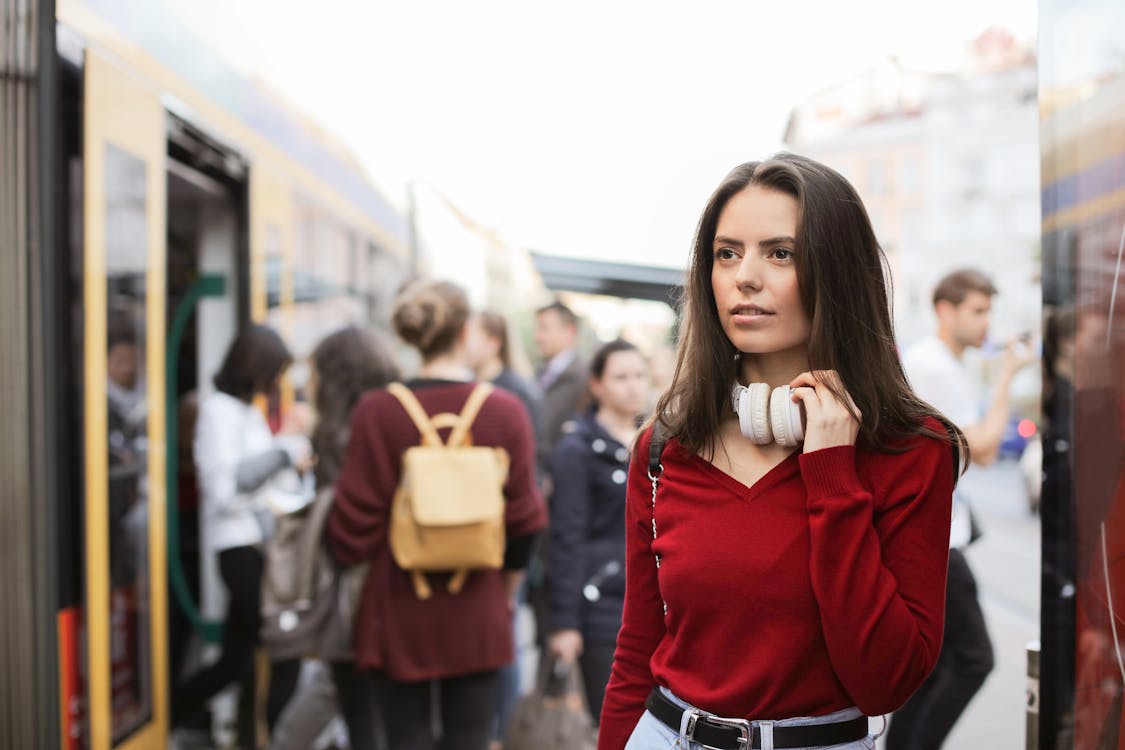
(593, 129)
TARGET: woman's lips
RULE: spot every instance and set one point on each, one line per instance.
(750, 316)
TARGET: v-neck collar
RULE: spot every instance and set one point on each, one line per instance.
(780, 471)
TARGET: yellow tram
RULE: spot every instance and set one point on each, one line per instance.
(190, 203)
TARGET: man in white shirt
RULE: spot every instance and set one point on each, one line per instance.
(962, 303)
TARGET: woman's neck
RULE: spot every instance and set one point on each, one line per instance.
(622, 425)
(776, 369)
(490, 369)
(445, 367)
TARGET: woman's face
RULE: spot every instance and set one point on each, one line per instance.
(754, 274)
(623, 386)
(480, 347)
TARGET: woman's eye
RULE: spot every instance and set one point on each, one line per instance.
(781, 253)
(724, 253)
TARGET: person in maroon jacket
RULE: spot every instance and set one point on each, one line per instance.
(779, 592)
(438, 658)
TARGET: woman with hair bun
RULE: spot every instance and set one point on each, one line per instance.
(439, 658)
(787, 522)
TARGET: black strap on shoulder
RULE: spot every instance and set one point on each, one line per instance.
(656, 448)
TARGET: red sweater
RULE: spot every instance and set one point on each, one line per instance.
(448, 634)
(819, 588)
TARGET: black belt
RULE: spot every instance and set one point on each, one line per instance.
(740, 734)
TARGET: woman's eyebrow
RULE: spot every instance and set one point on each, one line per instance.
(778, 241)
(782, 240)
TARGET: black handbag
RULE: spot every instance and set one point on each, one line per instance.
(553, 716)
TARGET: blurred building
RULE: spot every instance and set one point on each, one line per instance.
(947, 164)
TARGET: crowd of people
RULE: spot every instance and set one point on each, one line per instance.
(755, 555)
(445, 665)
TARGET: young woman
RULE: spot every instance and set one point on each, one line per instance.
(587, 583)
(778, 593)
(490, 356)
(440, 656)
(241, 467)
(345, 365)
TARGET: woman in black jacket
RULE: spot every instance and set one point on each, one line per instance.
(589, 467)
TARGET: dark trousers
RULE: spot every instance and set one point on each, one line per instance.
(456, 713)
(965, 660)
(361, 695)
(284, 676)
(241, 571)
(596, 662)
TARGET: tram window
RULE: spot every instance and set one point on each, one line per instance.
(384, 275)
(127, 454)
(323, 281)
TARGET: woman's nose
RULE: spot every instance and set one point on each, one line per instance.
(749, 273)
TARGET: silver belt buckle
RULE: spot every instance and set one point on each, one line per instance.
(742, 725)
(692, 720)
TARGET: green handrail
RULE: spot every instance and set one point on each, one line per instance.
(207, 285)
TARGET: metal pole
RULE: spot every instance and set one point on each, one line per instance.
(412, 228)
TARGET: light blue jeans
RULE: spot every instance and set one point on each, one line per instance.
(652, 734)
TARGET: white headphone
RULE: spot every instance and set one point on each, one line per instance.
(765, 416)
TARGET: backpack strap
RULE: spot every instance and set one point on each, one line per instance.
(312, 542)
(656, 448)
(417, 414)
(469, 412)
(421, 586)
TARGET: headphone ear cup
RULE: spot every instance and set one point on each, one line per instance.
(751, 405)
(758, 397)
(785, 418)
(796, 424)
(737, 393)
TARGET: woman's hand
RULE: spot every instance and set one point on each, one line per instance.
(830, 422)
(297, 420)
(566, 645)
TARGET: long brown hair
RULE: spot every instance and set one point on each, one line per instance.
(348, 362)
(843, 283)
(496, 325)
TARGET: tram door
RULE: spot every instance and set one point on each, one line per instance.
(124, 145)
(207, 303)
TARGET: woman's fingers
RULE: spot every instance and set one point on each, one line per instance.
(831, 421)
(827, 384)
(808, 396)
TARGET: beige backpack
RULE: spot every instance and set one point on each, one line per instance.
(448, 511)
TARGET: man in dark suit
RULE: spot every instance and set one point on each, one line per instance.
(562, 376)
(562, 382)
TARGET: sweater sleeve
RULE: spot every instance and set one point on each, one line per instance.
(642, 624)
(357, 523)
(878, 566)
(217, 447)
(524, 512)
(254, 471)
(570, 512)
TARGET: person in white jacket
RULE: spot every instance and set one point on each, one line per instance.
(246, 474)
